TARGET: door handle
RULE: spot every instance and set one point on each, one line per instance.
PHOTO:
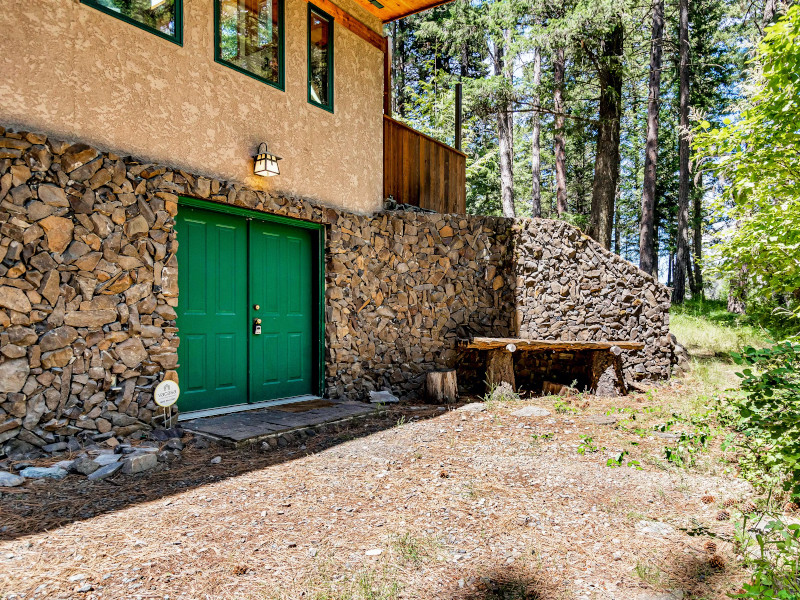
(256, 326)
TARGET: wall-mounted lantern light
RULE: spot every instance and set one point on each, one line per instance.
(266, 164)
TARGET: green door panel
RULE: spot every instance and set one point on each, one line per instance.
(212, 309)
(281, 271)
(227, 265)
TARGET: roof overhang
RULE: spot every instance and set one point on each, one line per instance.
(391, 10)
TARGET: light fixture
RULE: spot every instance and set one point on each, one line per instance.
(266, 164)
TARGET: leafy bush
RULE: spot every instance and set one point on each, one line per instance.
(776, 564)
(769, 411)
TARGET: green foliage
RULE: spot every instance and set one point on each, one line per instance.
(587, 445)
(563, 408)
(775, 563)
(619, 461)
(757, 155)
(769, 412)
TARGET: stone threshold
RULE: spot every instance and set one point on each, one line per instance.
(281, 425)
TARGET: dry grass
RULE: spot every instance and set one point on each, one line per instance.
(520, 515)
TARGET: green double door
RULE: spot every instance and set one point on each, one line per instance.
(245, 310)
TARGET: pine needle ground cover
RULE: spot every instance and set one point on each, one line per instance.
(419, 504)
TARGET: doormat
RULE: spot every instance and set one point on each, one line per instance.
(299, 407)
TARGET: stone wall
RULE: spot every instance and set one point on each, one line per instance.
(568, 287)
(88, 289)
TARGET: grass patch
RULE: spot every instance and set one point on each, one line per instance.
(707, 328)
(412, 549)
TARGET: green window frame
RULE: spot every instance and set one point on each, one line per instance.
(280, 82)
(175, 38)
(313, 10)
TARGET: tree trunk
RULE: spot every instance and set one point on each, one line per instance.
(617, 235)
(606, 165)
(559, 65)
(737, 292)
(682, 251)
(670, 264)
(441, 387)
(500, 368)
(536, 193)
(505, 134)
(697, 239)
(647, 223)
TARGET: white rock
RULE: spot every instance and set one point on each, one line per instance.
(10, 480)
(383, 397)
(374, 552)
(473, 407)
(531, 411)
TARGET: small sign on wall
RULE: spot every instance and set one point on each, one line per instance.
(167, 393)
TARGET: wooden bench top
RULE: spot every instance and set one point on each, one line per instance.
(489, 343)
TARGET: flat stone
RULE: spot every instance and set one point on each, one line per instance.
(76, 156)
(56, 447)
(57, 358)
(531, 411)
(84, 465)
(60, 337)
(13, 374)
(10, 480)
(602, 419)
(90, 318)
(654, 528)
(131, 352)
(138, 463)
(43, 473)
(136, 227)
(53, 195)
(58, 231)
(383, 397)
(15, 299)
(473, 407)
(105, 471)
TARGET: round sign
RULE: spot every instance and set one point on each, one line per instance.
(167, 393)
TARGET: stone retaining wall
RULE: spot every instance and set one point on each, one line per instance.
(88, 289)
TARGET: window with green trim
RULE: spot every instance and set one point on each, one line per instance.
(161, 17)
(249, 38)
(320, 58)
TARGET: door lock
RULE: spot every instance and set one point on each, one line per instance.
(256, 326)
(256, 307)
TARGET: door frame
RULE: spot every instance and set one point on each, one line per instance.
(318, 331)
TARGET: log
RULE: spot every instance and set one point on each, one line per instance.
(500, 368)
(441, 387)
(521, 344)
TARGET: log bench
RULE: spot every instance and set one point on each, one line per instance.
(500, 360)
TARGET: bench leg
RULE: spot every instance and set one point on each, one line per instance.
(608, 367)
(500, 368)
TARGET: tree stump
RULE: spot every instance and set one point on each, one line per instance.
(500, 368)
(441, 387)
(607, 377)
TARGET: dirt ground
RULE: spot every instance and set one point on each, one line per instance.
(420, 503)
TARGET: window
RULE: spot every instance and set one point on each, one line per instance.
(161, 17)
(320, 58)
(249, 38)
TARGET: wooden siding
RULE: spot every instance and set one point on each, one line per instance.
(422, 171)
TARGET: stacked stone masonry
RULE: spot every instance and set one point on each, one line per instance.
(88, 289)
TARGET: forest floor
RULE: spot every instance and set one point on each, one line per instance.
(419, 503)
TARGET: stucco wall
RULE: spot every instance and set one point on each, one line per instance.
(72, 71)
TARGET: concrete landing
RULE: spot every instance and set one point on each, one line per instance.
(235, 429)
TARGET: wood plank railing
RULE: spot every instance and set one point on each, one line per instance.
(422, 171)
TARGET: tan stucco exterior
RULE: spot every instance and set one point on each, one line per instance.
(76, 73)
